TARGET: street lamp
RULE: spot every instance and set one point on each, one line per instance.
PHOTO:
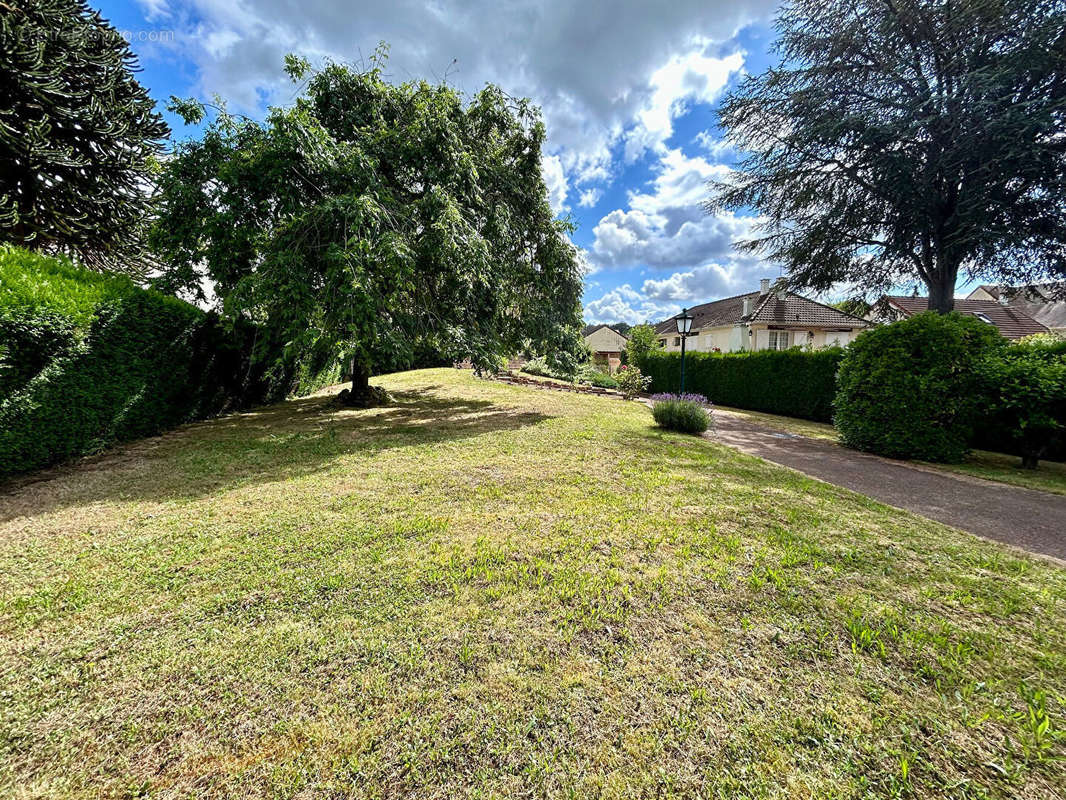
(684, 325)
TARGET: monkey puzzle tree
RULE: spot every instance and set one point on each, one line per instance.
(905, 141)
(78, 133)
(371, 218)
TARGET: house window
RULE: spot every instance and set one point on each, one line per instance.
(662, 343)
(778, 340)
(677, 341)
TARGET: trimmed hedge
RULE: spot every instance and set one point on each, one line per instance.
(1024, 401)
(89, 360)
(913, 389)
(793, 383)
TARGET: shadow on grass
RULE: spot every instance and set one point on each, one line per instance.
(278, 442)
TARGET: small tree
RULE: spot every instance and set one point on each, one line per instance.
(78, 134)
(642, 340)
(631, 381)
(370, 219)
(905, 141)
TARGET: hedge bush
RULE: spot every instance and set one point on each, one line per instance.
(89, 360)
(1025, 401)
(794, 383)
(913, 389)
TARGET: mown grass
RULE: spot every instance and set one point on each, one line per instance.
(1000, 467)
(494, 591)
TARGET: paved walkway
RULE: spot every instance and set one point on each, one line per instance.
(1032, 520)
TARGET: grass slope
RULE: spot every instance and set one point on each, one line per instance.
(491, 591)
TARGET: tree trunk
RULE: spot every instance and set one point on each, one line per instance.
(362, 394)
(942, 294)
(360, 379)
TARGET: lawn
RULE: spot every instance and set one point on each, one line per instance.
(1049, 477)
(495, 591)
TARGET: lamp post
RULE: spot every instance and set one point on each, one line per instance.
(684, 325)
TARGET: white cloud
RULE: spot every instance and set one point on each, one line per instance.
(597, 69)
(154, 9)
(686, 78)
(658, 299)
(590, 197)
(718, 149)
(555, 179)
(624, 304)
(697, 285)
(666, 227)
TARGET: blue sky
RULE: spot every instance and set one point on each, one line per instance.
(628, 91)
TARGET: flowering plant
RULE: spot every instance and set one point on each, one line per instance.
(687, 397)
(687, 413)
(631, 382)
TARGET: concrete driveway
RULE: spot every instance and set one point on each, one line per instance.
(1028, 519)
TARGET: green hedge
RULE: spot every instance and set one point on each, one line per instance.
(88, 360)
(794, 383)
(913, 389)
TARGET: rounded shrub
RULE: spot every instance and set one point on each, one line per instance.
(684, 413)
(912, 389)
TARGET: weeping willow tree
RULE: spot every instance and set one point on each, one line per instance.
(78, 134)
(371, 219)
(906, 141)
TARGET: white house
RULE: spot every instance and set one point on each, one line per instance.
(769, 319)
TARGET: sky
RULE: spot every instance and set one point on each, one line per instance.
(628, 92)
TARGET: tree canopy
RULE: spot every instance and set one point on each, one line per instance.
(370, 219)
(903, 141)
(78, 134)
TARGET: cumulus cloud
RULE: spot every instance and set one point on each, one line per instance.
(590, 197)
(718, 149)
(686, 78)
(665, 227)
(624, 304)
(597, 68)
(658, 299)
(555, 179)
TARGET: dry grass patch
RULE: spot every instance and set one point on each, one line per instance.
(491, 591)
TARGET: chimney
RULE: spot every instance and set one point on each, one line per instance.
(764, 286)
(1003, 299)
(747, 306)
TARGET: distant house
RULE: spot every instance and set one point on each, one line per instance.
(607, 346)
(1044, 302)
(769, 319)
(1012, 322)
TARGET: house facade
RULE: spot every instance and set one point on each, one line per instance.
(769, 319)
(1044, 302)
(607, 346)
(1010, 321)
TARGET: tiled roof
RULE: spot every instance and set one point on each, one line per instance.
(792, 309)
(1034, 292)
(1044, 302)
(1012, 322)
(771, 308)
(591, 329)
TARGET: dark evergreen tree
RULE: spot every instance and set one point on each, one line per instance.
(906, 141)
(78, 133)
